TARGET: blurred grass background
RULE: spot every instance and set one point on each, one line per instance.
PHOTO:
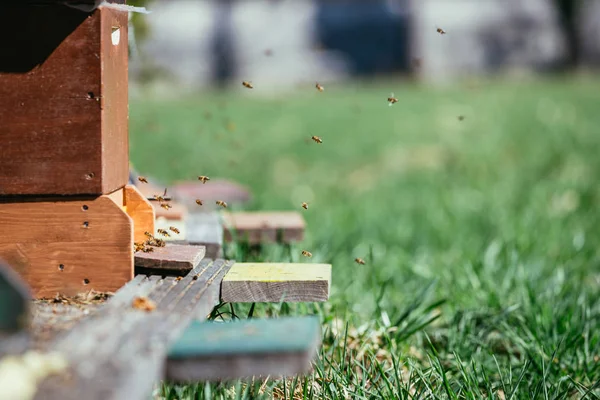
(480, 236)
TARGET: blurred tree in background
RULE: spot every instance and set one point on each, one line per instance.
(568, 11)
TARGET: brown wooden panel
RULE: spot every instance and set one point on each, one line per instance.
(63, 122)
(67, 247)
(141, 211)
(181, 258)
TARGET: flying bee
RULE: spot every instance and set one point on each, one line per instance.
(221, 203)
(166, 206)
(440, 31)
(149, 235)
(247, 85)
(306, 253)
(161, 198)
(317, 139)
(359, 261)
(461, 117)
(203, 178)
(173, 229)
(391, 100)
(142, 179)
(163, 232)
(199, 202)
(319, 87)
(305, 205)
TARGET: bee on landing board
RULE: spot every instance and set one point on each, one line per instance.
(359, 261)
(306, 253)
(317, 139)
(203, 178)
(142, 179)
(148, 249)
(440, 31)
(391, 100)
(248, 85)
(173, 229)
(143, 303)
(319, 87)
(221, 203)
(305, 205)
(199, 202)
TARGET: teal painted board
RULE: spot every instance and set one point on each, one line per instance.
(213, 351)
(15, 300)
(246, 336)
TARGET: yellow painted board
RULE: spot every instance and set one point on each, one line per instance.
(275, 282)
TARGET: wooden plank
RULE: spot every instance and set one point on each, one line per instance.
(63, 102)
(182, 258)
(242, 349)
(67, 246)
(141, 212)
(275, 282)
(119, 352)
(205, 229)
(264, 227)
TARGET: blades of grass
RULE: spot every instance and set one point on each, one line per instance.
(520, 379)
(438, 365)
(251, 312)
(343, 361)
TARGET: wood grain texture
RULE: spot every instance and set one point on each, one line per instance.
(242, 349)
(119, 352)
(63, 102)
(67, 246)
(141, 212)
(264, 227)
(275, 282)
(206, 229)
(177, 257)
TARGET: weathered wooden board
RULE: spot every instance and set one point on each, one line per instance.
(63, 102)
(118, 352)
(240, 349)
(141, 212)
(264, 227)
(176, 257)
(275, 282)
(205, 229)
(67, 246)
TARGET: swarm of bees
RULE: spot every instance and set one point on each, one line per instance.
(391, 100)
(317, 139)
(203, 178)
(221, 203)
(306, 253)
(143, 303)
(359, 261)
(319, 87)
(199, 202)
(142, 179)
(247, 85)
(305, 205)
(148, 245)
(440, 31)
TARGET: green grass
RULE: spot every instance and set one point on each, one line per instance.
(481, 237)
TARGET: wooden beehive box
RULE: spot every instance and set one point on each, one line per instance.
(63, 101)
